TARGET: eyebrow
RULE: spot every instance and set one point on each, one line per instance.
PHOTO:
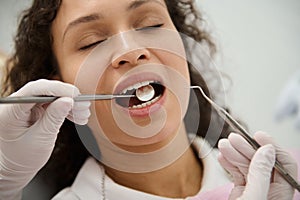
(80, 20)
(137, 3)
(96, 16)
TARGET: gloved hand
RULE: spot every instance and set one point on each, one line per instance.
(252, 170)
(289, 100)
(28, 132)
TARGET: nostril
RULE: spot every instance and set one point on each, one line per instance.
(131, 58)
(142, 57)
(122, 62)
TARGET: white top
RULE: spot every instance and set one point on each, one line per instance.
(88, 183)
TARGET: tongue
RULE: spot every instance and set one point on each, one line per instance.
(134, 101)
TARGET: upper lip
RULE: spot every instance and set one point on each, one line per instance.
(136, 78)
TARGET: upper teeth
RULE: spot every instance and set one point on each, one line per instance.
(137, 86)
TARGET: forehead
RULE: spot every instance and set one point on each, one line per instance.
(71, 9)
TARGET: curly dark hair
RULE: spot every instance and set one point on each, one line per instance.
(34, 59)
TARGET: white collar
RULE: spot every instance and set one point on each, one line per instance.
(214, 174)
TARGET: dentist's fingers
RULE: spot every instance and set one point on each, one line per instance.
(47, 87)
(41, 87)
(55, 115)
(259, 176)
(238, 177)
(80, 113)
(33, 147)
(282, 156)
(234, 156)
(241, 145)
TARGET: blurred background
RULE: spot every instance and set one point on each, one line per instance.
(259, 47)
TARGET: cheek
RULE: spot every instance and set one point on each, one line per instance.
(69, 75)
(75, 71)
(106, 122)
(107, 81)
(69, 68)
(69, 64)
(174, 62)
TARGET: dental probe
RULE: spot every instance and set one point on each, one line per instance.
(48, 99)
(242, 131)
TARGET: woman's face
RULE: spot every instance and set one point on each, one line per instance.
(81, 26)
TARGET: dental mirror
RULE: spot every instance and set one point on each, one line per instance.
(145, 93)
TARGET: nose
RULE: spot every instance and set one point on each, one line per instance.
(132, 58)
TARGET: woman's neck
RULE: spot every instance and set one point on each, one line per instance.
(180, 179)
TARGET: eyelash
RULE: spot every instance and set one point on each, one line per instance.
(150, 27)
(138, 29)
(91, 45)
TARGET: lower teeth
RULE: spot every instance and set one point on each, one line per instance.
(143, 105)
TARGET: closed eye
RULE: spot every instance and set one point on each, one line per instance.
(150, 27)
(86, 47)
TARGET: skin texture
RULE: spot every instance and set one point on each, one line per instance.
(73, 40)
(69, 39)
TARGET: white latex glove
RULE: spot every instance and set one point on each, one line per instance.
(252, 170)
(289, 100)
(28, 132)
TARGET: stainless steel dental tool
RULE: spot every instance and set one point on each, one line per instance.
(242, 131)
(223, 113)
(48, 99)
(143, 94)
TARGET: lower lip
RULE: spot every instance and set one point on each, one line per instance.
(146, 111)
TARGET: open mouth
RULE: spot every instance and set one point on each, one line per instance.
(146, 94)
